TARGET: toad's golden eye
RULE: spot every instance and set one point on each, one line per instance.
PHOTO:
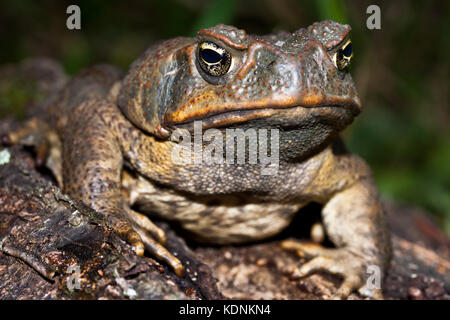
(214, 60)
(343, 56)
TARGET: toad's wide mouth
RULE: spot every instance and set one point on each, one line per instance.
(235, 117)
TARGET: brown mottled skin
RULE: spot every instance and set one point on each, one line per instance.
(116, 151)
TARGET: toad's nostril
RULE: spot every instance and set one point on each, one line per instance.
(271, 64)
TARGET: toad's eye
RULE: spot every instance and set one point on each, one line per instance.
(343, 56)
(214, 60)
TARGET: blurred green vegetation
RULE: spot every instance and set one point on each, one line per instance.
(401, 71)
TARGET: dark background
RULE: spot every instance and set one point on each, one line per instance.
(401, 71)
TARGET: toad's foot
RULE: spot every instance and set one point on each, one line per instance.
(141, 233)
(340, 261)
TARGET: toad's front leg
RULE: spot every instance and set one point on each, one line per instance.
(353, 218)
(92, 166)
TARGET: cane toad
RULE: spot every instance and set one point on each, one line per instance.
(109, 141)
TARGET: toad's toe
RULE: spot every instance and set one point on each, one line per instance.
(339, 261)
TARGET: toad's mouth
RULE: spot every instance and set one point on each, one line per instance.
(234, 117)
